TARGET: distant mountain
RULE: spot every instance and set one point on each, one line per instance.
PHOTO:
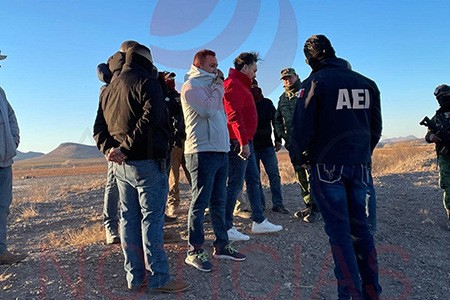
(408, 141)
(26, 155)
(74, 151)
(398, 139)
(67, 152)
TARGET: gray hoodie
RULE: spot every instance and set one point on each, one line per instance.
(204, 113)
(9, 132)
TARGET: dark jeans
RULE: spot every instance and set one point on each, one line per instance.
(110, 202)
(371, 205)
(143, 194)
(209, 171)
(5, 201)
(239, 170)
(270, 162)
(340, 193)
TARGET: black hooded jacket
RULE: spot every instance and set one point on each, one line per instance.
(337, 119)
(132, 114)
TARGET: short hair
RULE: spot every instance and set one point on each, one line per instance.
(245, 58)
(141, 50)
(201, 55)
(127, 44)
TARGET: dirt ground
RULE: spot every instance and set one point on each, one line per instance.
(412, 242)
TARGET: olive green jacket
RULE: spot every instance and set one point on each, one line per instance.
(284, 116)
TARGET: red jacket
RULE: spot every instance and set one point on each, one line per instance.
(242, 118)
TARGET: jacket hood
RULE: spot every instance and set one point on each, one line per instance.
(136, 60)
(333, 62)
(115, 64)
(200, 75)
(103, 73)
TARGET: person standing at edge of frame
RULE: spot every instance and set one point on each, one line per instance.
(9, 139)
(442, 120)
(337, 124)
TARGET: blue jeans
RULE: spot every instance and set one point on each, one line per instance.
(209, 171)
(143, 192)
(340, 192)
(239, 170)
(5, 202)
(110, 202)
(270, 162)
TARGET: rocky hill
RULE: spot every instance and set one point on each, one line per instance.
(26, 155)
(66, 154)
(74, 151)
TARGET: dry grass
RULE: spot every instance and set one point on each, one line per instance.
(76, 189)
(404, 159)
(72, 237)
(27, 212)
(399, 159)
(40, 195)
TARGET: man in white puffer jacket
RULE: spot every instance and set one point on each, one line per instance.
(206, 152)
(9, 141)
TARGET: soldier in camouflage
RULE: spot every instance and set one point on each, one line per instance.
(283, 127)
(442, 120)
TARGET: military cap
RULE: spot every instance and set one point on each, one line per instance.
(287, 72)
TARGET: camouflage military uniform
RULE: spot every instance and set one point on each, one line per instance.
(442, 120)
(283, 127)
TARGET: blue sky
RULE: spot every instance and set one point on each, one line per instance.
(53, 49)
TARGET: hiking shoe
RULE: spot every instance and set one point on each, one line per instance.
(112, 237)
(280, 209)
(229, 252)
(173, 287)
(245, 214)
(169, 220)
(265, 227)
(199, 261)
(235, 235)
(112, 240)
(9, 258)
(311, 216)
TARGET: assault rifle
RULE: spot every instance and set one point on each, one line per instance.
(440, 133)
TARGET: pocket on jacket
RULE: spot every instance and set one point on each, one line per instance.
(329, 173)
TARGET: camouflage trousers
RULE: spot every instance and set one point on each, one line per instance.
(444, 180)
(303, 180)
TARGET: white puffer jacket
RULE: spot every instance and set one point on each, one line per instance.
(204, 113)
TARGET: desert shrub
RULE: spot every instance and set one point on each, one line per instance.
(76, 236)
(24, 212)
(404, 159)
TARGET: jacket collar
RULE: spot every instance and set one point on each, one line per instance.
(333, 62)
(238, 75)
(199, 75)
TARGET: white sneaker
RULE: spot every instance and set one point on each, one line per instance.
(265, 226)
(235, 235)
